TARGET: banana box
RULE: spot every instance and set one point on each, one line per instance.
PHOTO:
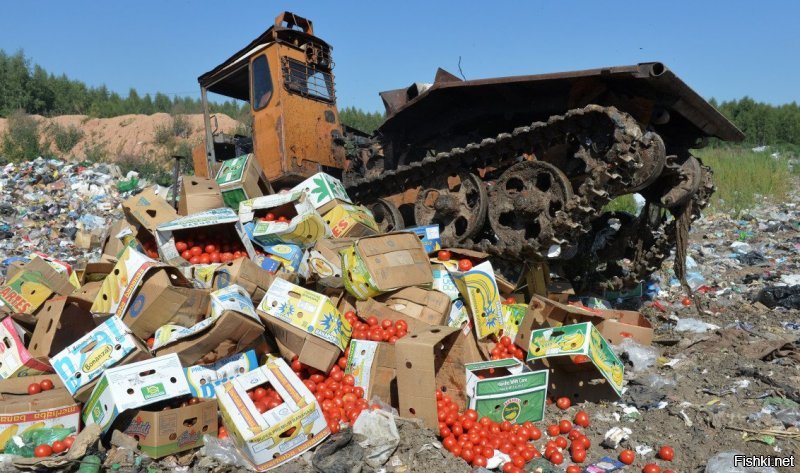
(429, 236)
(347, 220)
(222, 223)
(80, 364)
(133, 386)
(15, 359)
(583, 366)
(165, 432)
(443, 282)
(506, 390)
(290, 256)
(204, 380)
(288, 204)
(324, 192)
(481, 295)
(28, 289)
(304, 230)
(382, 263)
(513, 314)
(276, 436)
(306, 322)
(372, 366)
(21, 412)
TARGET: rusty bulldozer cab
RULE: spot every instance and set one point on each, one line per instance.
(286, 77)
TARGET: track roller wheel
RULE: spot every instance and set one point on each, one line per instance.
(387, 215)
(457, 202)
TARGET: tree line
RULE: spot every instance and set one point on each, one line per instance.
(32, 89)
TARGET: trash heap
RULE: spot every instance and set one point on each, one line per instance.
(284, 330)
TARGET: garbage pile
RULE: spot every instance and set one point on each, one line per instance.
(258, 330)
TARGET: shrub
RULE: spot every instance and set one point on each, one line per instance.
(163, 135)
(21, 140)
(65, 137)
(149, 168)
(95, 152)
(181, 127)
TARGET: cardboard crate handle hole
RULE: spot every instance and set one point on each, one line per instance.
(7, 342)
(558, 333)
(151, 213)
(147, 373)
(89, 347)
(288, 432)
(190, 422)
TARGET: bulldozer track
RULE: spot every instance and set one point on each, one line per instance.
(608, 155)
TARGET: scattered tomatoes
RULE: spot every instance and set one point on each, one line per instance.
(464, 265)
(557, 458)
(581, 419)
(43, 450)
(444, 255)
(651, 468)
(34, 388)
(553, 430)
(666, 453)
(563, 403)
(627, 456)
(573, 469)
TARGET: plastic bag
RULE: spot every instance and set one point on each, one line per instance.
(640, 356)
(24, 444)
(381, 435)
(224, 451)
(694, 325)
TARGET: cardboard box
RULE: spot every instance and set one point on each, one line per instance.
(443, 282)
(199, 194)
(146, 294)
(513, 315)
(161, 433)
(133, 386)
(86, 240)
(15, 360)
(306, 322)
(281, 433)
(222, 221)
(506, 390)
(28, 289)
(290, 256)
(304, 230)
(431, 359)
(204, 380)
(60, 323)
(96, 271)
(372, 364)
(232, 327)
(347, 220)
(245, 273)
(88, 292)
(429, 236)
(481, 295)
(241, 179)
(324, 260)
(21, 412)
(324, 191)
(429, 306)
(614, 325)
(382, 263)
(148, 210)
(581, 363)
(113, 245)
(286, 204)
(80, 364)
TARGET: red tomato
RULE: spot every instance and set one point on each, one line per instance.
(401, 325)
(69, 441)
(222, 433)
(563, 403)
(564, 426)
(194, 260)
(205, 259)
(43, 450)
(464, 265)
(444, 255)
(186, 254)
(297, 366)
(510, 300)
(665, 453)
(536, 434)
(46, 385)
(270, 217)
(34, 388)
(181, 246)
(686, 301)
(260, 407)
(259, 393)
(58, 446)
(386, 324)
(196, 251)
(582, 419)
(215, 257)
(553, 430)
(479, 461)
(372, 321)
(579, 456)
(651, 468)
(210, 249)
(561, 442)
(627, 456)
(449, 443)
(573, 469)
(556, 458)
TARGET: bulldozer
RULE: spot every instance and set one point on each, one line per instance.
(519, 167)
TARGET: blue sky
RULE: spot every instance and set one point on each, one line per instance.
(721, 49)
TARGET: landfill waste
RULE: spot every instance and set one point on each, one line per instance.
(724, 462)
(350, 367)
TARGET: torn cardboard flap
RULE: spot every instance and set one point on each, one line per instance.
(205, 379)
(288, 204)
(430, 359)
(134, 385)
(383, 263)
(15, 360)
(372, 364)
(482, 296)
(61, 322)
(221, 220)
(113, 246)
(281, 433)
(198, 194)
(81, 363)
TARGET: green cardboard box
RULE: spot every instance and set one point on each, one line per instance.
(506, 390)
(582, 365)
(240, 179)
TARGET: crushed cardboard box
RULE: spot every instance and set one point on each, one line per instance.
(281, 433)
(166, 432)
(240, 179)
(372, 364)
(198, 194)
(324, 192)
(287, 204)
(324, 260)
(429, 236)
(15, 359)
(147, 210)
(245, 273)
(479, 288)
(348, 220)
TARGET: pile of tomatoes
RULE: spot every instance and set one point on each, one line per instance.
(476, 439)
(36, 388)
(270, 217)
(58, 446)
(265, 398)
(505, 348)
(202, 251)
(341, 400)
(377, 330)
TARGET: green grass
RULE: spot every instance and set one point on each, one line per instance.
(744, 178)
